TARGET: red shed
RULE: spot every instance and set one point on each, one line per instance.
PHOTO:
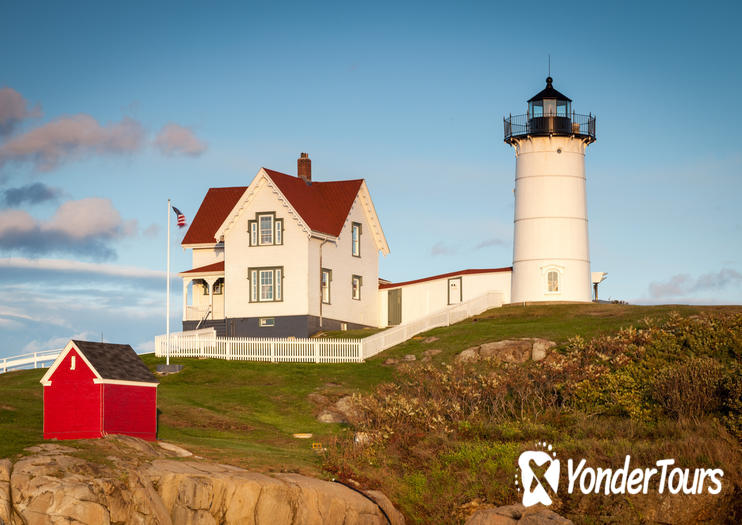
(94, 389)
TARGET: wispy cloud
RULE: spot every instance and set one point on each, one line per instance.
(684, 285)
(14, 109)
(83, 227)
(66, 266)
(174, 139)
(493, 241)
(30, 194)
(72, 138)
(441, 248)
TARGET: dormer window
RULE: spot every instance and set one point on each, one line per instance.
(265, 230)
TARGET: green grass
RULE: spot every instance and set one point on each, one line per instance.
(245, 413)
(555, 322)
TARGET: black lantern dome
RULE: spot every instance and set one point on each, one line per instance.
(550, 114)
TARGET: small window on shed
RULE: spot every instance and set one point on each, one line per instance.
(72, 363)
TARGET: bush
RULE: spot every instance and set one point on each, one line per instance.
(689, 390)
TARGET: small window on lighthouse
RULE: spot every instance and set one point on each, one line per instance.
(553, 281)
(72, 363)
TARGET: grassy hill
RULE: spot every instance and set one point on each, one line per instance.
(245, 413)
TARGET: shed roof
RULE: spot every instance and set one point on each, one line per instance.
(115, 361)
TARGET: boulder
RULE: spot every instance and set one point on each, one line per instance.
(432, 352)
(5, 503)
(431, 339)
(331, 416)
(51, 488)
(347, 408)
(409, 357)
(517, 515)
(391, 361)
(175, 449)
(541, 348)
(469, 355)
(509, 350)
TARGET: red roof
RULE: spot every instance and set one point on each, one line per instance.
(324, 206)
(215, 267)
(214, 209)
(385, 285)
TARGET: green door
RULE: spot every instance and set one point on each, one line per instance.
(395, 306)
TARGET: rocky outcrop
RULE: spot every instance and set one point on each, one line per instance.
(508, 350)
(517, 515)
(342, 411)
(141, 484)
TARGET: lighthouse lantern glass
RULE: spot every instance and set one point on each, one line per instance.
(536, 109)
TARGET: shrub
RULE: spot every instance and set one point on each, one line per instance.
(690, 389)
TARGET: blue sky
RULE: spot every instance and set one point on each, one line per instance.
(109, 110)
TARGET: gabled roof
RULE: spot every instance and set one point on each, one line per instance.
(211, 214)
(383, 284)
(324, 206)
(109, 362)
(113, 361)
(215, 268)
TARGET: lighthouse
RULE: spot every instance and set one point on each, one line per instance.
(551, 256)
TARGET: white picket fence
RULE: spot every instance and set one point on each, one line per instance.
(273, 350)
(37, 359)
(205, 343)
(453, 314)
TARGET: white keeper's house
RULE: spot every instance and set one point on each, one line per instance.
(290, 256)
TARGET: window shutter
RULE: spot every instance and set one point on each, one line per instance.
(254, 285)
(279, 291)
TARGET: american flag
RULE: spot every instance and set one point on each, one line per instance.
(181, 217)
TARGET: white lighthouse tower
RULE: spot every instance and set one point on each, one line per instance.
(551, 257)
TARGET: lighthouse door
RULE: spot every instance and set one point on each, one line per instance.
(454, 290)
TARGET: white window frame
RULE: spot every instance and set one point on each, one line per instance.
(269, 230)
(355, 239)
(353, 288)
(267, 286)
(546, 270)
(258, 292)
(326, 285)
(72, 362)
(253, 233)
(267, 322)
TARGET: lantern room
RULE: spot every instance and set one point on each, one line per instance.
(549, 103)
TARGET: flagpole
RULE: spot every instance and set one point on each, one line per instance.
(167, 308)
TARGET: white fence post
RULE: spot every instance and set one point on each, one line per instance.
(228, 349)
(273, 352)
(316, 351)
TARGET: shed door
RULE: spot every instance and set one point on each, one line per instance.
(454, 290)
(395, 306)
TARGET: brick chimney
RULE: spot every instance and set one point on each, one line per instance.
(304, 167)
